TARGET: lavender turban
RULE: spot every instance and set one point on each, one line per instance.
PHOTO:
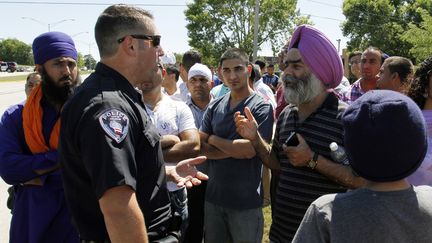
(52, 45)
(319, 54)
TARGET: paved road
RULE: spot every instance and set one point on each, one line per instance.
(10, 93)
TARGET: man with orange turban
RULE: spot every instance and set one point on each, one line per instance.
(29, 135)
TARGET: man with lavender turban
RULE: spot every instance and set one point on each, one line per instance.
(319, 54)
(307, 171)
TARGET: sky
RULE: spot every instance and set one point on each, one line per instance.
(24, 20)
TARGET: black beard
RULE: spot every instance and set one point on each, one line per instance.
(55, 94)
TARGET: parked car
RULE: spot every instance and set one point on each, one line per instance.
(12, 66)
(3, 66)
(29, 69)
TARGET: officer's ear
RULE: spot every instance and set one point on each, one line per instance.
(127, 45)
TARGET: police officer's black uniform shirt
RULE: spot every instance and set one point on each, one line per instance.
(107, 140)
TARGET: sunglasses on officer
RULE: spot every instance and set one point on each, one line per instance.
(155, 39)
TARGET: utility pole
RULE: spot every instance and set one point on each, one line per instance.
(338, 40)
(255, 39)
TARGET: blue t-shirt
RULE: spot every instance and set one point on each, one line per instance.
(235, 183)
(270, 79)
(219, 91)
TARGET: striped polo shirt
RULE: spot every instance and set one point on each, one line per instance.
(299, 186)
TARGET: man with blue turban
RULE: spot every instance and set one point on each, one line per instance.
(29, 134)
(312, 69)
(391, 128)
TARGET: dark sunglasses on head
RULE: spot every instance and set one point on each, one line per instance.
(154, 38)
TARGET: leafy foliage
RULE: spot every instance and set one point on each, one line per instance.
(20, 52)
(420, 37)
(89, 62)
(215, 25)
(383, 23)
(16, 51)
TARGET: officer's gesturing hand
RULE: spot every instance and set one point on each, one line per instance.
(185, 172)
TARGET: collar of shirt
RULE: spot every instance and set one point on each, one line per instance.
(258, 82)
(191, 104)
(121, 82)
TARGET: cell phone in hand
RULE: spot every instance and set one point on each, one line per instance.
(292, 140)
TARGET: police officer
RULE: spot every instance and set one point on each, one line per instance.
(114, 175)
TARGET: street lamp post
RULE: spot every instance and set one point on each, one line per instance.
(89, 45)
(58, 22)
(48, 24)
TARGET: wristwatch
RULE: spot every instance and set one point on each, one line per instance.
(313, 162)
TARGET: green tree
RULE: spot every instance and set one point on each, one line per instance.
(17, 51)
(80, 60)
(382, 23)
(89, 62)
(179, 57)
(420, 37)
(215, 25)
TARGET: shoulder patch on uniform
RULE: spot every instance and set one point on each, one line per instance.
(115, 123)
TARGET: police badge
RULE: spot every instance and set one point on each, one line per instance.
(115, 123)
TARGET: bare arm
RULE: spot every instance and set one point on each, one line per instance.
(247, 127)
(169, 140)
(188, 147)
(341, 174)
(267, 155)
(338, 173)
(238, 148)
(123, 217)
(208, 150)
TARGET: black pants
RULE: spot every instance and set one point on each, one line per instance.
(195, 231)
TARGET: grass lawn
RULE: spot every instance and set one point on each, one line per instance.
(13, 78)
(267, 223)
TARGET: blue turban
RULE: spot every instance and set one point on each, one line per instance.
(385, 136)
(52, 45)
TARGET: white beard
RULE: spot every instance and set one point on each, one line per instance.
(304, 91)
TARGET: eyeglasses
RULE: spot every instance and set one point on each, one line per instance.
(155, 39)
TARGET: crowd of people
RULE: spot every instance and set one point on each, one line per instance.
(148, 149)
